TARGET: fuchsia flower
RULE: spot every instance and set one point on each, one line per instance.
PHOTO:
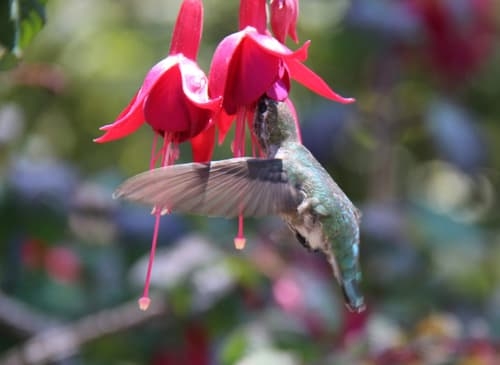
(173, 100)
(251, 63)
(284, 14)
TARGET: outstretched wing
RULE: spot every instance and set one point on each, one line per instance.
(226, 188)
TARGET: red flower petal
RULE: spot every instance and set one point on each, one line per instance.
(187, 30)
(128, 121)
(195, 86)
(202, 145)
(132, 117)
(178, 104)
(245, 65)
(251, 73)
(253, 13)
(284, 15)
(311, 80)
(220, 63)
(165, 107)
(200, 118)
(279, 90)
(156, 73)
(223, 121)
(272, 45)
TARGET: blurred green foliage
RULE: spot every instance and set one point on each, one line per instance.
(418, 153)
(21, 21)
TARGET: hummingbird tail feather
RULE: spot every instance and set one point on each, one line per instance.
(353, 298)
(352, 295)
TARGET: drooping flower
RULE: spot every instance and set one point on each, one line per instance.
(174, 101)
(173, 98)
(251, 63)
(284, 14)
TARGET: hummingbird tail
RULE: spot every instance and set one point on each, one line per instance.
(353, 298)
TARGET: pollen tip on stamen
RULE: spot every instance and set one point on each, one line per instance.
(239, 242)
(144, 303)
(164, 211)
(154, 211)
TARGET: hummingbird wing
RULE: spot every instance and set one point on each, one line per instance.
(226, 188)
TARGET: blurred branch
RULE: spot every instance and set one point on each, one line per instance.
(24, 321)
(61, 341)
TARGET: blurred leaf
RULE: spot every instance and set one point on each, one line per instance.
(243, 270)
(180, 299)
(20, 21)
(234, 348)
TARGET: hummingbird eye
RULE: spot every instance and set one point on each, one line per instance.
(262, 105)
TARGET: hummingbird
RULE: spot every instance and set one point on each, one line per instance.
(288, 182)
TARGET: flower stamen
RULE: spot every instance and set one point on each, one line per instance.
(240, 240)
(169, 153)
(144, 301)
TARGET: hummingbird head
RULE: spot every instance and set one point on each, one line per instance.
(273, 124)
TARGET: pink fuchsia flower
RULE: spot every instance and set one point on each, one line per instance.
(251, 63)
(284, 14)
(173, 100)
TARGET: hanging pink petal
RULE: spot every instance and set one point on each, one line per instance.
(202, 145)
(128, 121)
(223, 122)
(132, 117)
(273, 46)
(250, 74)
(279, 90)
(284, 14)
(219, 66)
(253, 14)
(195, 86)
(165, 108)
(305, 76)
(156, 73)
(187, 30)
